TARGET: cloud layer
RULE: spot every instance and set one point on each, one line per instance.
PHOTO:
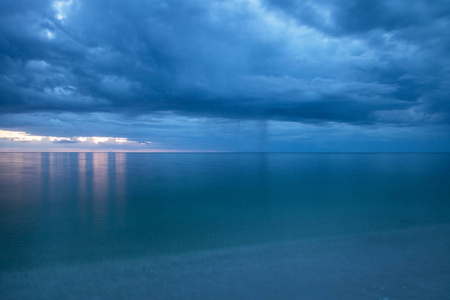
(368, 64)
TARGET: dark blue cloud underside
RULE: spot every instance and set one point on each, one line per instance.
(212, 60)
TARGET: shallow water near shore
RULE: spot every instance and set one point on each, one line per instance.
(410, 264)
(60, 210)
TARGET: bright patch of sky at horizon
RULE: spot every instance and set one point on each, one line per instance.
(238, 75)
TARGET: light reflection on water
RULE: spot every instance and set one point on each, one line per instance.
(120, 175)
(100, 183)
(75, 207)
(82, 177)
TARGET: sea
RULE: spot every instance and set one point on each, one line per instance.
(225, 225)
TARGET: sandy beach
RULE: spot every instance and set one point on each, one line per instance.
(403, 264)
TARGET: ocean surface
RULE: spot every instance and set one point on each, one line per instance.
(61, 210)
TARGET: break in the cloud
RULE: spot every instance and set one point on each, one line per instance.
(12, 139)
(238, 75)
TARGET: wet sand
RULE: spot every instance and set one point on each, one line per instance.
(402, 264)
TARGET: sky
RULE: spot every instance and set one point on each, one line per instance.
(237, 75)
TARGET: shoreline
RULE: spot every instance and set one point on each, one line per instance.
(400, 264)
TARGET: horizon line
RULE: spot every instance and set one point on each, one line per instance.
(242, 152)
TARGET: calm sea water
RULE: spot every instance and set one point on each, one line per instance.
(64, 208)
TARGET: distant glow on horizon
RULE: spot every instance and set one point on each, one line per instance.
(121, 140)
(22, 136)
(19, 136)
(97, 139)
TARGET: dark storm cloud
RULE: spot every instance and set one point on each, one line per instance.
(358, 17)
(359, 62)
(407, 35)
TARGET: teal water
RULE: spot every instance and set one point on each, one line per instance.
(66, 208)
